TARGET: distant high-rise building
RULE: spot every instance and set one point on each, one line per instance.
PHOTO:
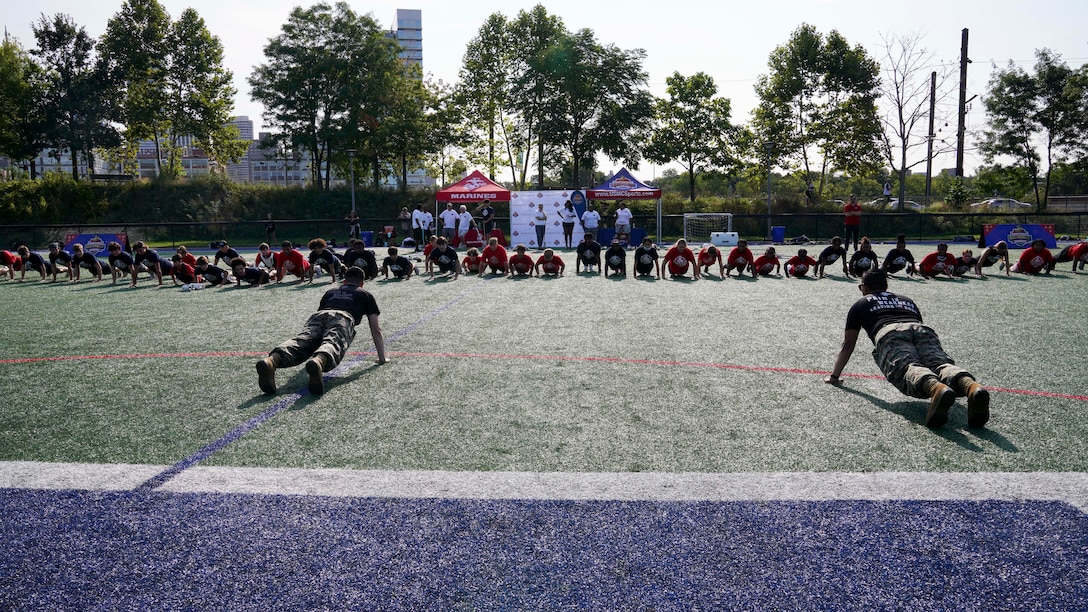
(407, 30)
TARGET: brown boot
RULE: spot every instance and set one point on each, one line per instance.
(978, 404)
(315, 367)
(266, 373)
(941, 398)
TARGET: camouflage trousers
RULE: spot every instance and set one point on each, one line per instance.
(328, 332)
(910, 355)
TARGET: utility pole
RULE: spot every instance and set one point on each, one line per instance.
(961, 126)
(932, 136)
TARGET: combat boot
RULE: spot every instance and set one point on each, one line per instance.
(941, 398)
(978, 403)
(315, 367)
(266, 373)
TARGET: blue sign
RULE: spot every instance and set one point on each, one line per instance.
(1019, 235)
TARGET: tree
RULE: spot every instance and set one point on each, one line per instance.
(906, 90)
(483, 91)
(1037, 119)
(326, 85)
(818, 104)
(693, 127)
(22, 89)
(78, 98)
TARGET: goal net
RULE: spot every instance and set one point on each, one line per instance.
(699, 226)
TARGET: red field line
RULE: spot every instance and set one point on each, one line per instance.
(623, 360)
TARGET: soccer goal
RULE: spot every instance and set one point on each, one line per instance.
(699, 226)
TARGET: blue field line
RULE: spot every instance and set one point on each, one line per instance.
(227, 439)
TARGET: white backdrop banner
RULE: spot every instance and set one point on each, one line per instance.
(523, 209)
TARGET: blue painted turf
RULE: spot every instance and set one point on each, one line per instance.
(157, 550)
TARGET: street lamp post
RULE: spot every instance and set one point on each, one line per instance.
(769, 147)
(351, 163)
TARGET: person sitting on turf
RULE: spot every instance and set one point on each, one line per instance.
(767, 263)
(148, 260)
(710, 255)
(397, 265)
(964, 263)
(181, 271)
(120, 263)
(740, 259)
(328, 333)
(358, 255)
(472, 262)
(60, 260)
(645, 259)
(322, 258)
(495, 258)
(521, 264)
(290, 261)
(615, 259)
(588, 255)
(863, 259)
(445, 257)
(799, 265)
(33, 261)
(679, 258)
(251, 274)
(938, 262)
(909, 353)
(225, 252)
(82, 259)
(1035, 260)
(186, 256)
(1076, 253)
(834, 252)
(992, 255)
(213, 275)
(550, 264)
(899, 258)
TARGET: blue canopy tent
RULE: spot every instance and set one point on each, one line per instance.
(624, 186)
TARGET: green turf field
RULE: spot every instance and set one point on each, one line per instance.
(577, 374)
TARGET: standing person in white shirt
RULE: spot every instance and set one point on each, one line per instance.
(541, 226)
(591, 220)
(623, 223)
(464, 223)
(569, 217)
(448, 218)
(419, 226)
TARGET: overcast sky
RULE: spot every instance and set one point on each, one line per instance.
(729, 41)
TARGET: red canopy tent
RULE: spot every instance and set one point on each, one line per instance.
(474, 189)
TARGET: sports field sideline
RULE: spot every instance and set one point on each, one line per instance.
(539, 444)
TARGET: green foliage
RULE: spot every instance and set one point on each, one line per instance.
(959, 194)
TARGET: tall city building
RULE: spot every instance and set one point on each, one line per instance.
(407, 30)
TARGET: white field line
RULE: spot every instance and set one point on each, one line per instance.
(1069, 487)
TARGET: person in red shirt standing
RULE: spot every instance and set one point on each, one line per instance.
(939, 262)
(1076, 253)
(1035, 259)
(679, 258)
(851, 212)
(799, 265)
(740, 259)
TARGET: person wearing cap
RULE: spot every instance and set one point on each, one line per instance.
(328, 333)
(550, 264)
(59, 258)
(908, 353)
(397, 265)
(615, 259)
(834, 252)
(588, 254)
(487, 217)
(226, 253)
(645, 258)
(448, 218)
(991, 255)
(679, 258)
(710, 255)
(1036, 259)
(799, 265)
(520, 264)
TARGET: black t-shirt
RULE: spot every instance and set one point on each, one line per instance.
(398, 265)
(589, 251)
(876, 310)
(616, 257)
(446, 260)
(897, 259)
(831, 254)
(352, 299)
